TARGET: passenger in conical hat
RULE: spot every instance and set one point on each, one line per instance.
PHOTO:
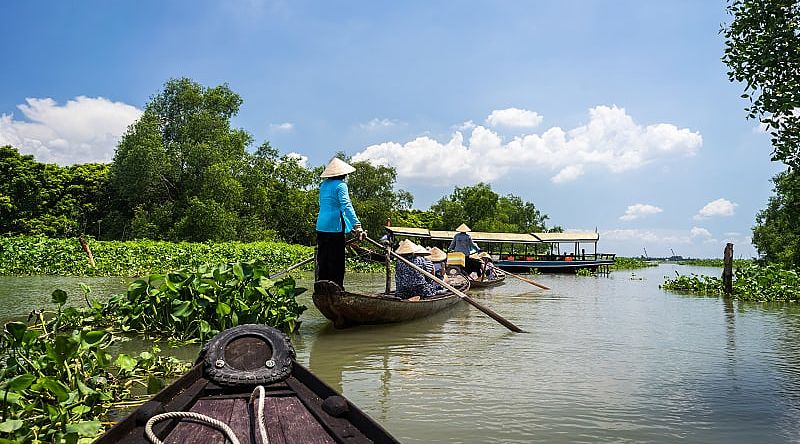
(406, 247)
(438, 257)
(336, 218)
(462, 242)
(409, 282)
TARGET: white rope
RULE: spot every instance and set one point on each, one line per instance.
(262, 428)
(148, 428)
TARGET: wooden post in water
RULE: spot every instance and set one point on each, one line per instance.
(727, 270)
(87, 250)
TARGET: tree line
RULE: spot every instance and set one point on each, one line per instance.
(762, 51)
(183, 173)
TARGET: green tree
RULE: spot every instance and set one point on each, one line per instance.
(181, 161)
(482, 209)
(47, 199)
(373, 195)
(762, 50)
(776, 234)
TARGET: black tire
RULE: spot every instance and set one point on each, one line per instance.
(226, 370)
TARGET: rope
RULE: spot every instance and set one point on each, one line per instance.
(217, 424)
(262, 428)
(226, 430)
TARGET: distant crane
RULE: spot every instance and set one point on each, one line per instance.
(645, 252)
(673, 252)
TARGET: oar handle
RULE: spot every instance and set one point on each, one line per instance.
(459, 293)
(530, 281)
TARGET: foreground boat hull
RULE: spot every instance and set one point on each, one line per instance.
(348, 309)
(298, 408)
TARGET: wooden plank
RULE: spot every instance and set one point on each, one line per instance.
(240, 421)
(275, 431)
(298, 425)
(190, 431)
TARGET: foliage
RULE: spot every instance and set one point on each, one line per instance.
(180, 166)
(713, 262)
(415, 218)
(60, 386)
(484, 210)
(751, 282)
(21, 255)
(196, 304)
(585, 272)
(693, 283)
(766, 283)
(762, 49)
(776, 234)
(626, 263)
(46, 199)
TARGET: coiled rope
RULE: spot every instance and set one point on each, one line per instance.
(204, 419)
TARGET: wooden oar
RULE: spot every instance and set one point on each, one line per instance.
(530, 281)
(300, 264)
(463, 296)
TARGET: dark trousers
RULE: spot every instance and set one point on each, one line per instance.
(330, 257)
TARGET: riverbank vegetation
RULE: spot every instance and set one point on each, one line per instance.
(60, 382)
(61, 385)
(751, 282)
(32, 255)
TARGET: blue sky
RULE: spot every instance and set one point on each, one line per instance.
(614, 115)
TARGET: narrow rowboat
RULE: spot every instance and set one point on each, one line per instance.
(477, 283)
(294, 406)
(347, 309)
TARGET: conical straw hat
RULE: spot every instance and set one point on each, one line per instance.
(422, 251)
(337, 167)
(437, 255)
(463, 228)
(406, 247)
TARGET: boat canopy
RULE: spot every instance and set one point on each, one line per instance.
(570, 236)
(480, 236)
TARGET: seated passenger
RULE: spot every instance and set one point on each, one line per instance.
(408, 281)
(438, 257)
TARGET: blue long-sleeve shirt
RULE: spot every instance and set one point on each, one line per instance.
(335, 205)
(463, 242)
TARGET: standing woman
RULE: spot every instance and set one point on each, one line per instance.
(336, 218)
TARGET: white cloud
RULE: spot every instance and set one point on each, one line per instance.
(611, 140)
(378, 124)
(82, 130)
(514, 117)
(568, 173)
(284, 127)
(719, 207)
(700, 232)
(661, 237)
(301, 159)
(639, 210)
(464, 126)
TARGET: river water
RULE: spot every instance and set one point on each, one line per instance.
(604, 359)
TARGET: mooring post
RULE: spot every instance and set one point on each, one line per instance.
(727, 270)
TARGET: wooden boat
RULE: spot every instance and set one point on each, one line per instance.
(485, 283)
(347, 309)
(296, 406)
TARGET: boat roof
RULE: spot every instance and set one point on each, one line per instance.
(569, 236)
(482, 236)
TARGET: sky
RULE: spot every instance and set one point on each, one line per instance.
(615, 116)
